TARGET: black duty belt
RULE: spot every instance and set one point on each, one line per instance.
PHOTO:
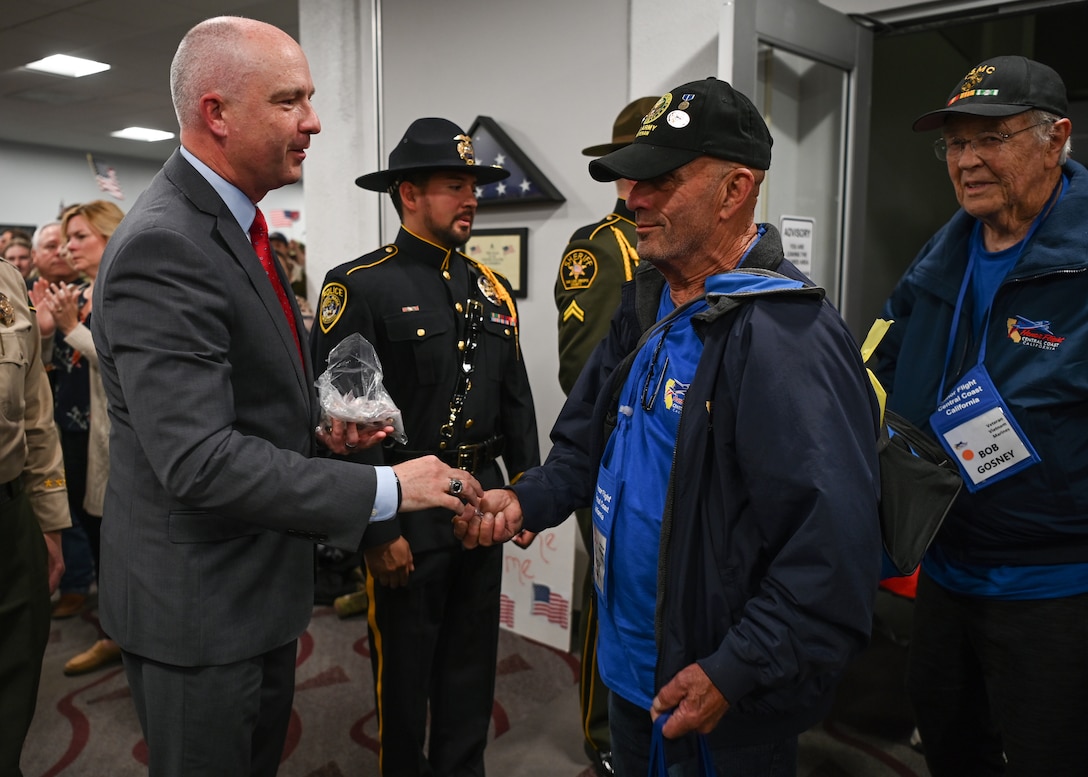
(10, 490)
(471, 457)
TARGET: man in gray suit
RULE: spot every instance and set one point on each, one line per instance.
(215, 497)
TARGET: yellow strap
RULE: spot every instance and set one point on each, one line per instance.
(877, 331)
(630, 255)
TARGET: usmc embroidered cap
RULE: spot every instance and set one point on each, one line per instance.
(700, 118)
(1002, 86)
(431, 144)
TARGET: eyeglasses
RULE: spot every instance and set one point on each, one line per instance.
(986, 146)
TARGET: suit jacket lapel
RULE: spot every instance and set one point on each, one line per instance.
(205, 198)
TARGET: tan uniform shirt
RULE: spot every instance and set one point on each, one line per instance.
(29, 445)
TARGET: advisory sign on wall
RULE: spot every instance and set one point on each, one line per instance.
(797, 241)
(537, 582)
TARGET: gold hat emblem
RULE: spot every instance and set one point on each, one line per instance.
(464, 149)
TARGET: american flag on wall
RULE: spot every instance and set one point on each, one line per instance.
(552, 606)
(527, 183)
(506, 611)
(283, 218)
(106, 178)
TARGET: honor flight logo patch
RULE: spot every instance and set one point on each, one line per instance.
(1034, 334)
(579, 269)
(675, 391)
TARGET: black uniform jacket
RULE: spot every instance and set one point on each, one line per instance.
(409, 300)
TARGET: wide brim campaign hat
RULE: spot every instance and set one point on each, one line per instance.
(1001, 86)
(431, 144)
(700, 118)
(624, 127)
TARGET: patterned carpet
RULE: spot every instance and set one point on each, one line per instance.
(86, 726)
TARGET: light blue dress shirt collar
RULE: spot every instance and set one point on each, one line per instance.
(237, 202)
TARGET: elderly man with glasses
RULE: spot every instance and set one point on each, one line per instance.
(991, 330)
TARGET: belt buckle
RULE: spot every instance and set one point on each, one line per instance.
(467, 457)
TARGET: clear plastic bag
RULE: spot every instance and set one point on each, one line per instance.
(351, 388)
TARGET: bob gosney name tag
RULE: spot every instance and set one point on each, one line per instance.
(978, 431)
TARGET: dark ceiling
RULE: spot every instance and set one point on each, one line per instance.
(136, 37)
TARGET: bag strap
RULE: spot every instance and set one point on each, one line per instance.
(877, 331)
(659, 766)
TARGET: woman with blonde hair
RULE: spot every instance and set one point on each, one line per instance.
(66, 308)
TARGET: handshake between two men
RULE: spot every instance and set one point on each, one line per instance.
(424, 482)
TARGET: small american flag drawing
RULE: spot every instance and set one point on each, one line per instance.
(552, 606)
(506, 611)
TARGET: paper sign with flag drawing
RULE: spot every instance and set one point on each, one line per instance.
(506, 611)
(551, 605)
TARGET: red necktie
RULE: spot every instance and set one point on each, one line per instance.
(258, 233)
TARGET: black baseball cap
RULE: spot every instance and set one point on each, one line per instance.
(1002, 86)
(700, 118)
(431, 144)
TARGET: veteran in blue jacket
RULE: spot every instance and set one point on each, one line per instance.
(724, 434)
(988, 351)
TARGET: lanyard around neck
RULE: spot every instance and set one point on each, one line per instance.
(975, 248)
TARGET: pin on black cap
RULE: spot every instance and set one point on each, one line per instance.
(700, 118)
(431, 144)
(1001, 86)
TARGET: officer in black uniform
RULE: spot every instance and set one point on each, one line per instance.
(446, 331)
(597, 261)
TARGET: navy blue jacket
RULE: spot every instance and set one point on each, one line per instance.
(770, 546)
(1039, 516)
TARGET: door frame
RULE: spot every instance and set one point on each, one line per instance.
(813, 30)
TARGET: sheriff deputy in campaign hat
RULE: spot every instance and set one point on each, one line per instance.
(445, 329)
(430, 145)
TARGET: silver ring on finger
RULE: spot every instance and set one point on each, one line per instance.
(456, 487)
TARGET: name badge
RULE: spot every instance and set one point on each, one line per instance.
(979, 432)
(603, 501)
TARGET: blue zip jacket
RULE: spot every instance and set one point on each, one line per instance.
(770, 545)
(1037, 356)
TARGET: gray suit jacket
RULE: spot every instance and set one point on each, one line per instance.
(215, 498)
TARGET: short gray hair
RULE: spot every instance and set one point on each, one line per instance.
(203, 62)
(37, 239)
(1042, 133)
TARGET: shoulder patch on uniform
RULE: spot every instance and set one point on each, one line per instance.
(334, 298)
(574, 310)
(7, 311)
(578, 270)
